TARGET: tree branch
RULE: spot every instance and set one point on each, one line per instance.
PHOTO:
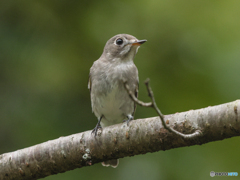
(153, 104)
(118, 141)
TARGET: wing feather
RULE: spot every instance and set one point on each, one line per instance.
(89, 83)
(136, 95)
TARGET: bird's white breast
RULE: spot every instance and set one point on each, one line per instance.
(115, 106)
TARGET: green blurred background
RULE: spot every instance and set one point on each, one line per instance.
(47, 47)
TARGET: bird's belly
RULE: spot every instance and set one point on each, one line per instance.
(114, 107)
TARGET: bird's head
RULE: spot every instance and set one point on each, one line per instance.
(122, 46)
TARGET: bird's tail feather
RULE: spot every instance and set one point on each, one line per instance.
(114, 163)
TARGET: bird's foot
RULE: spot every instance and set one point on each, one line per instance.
(130, 117)
(95, 130)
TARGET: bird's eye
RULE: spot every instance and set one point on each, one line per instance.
(119, 41)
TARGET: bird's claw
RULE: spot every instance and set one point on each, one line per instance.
(95, 130)
(130, 117)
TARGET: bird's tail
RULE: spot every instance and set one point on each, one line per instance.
(114, 163)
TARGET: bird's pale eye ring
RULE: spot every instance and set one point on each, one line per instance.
(119, 41)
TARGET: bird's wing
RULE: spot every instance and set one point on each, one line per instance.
(89, 83)
(136, 95)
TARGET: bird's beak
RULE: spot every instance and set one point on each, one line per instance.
(139, 42)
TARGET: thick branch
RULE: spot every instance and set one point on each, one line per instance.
(118, 141)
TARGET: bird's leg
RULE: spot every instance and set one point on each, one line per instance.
(130, 117)
(98, 126)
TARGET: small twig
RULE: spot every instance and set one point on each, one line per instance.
(134, 98)
(154, 105)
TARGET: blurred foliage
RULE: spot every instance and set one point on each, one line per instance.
(47, 47)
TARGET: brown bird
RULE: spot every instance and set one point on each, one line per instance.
(110, 101)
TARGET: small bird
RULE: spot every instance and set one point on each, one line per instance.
(110, 102)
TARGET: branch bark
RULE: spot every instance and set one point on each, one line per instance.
(118, 141)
